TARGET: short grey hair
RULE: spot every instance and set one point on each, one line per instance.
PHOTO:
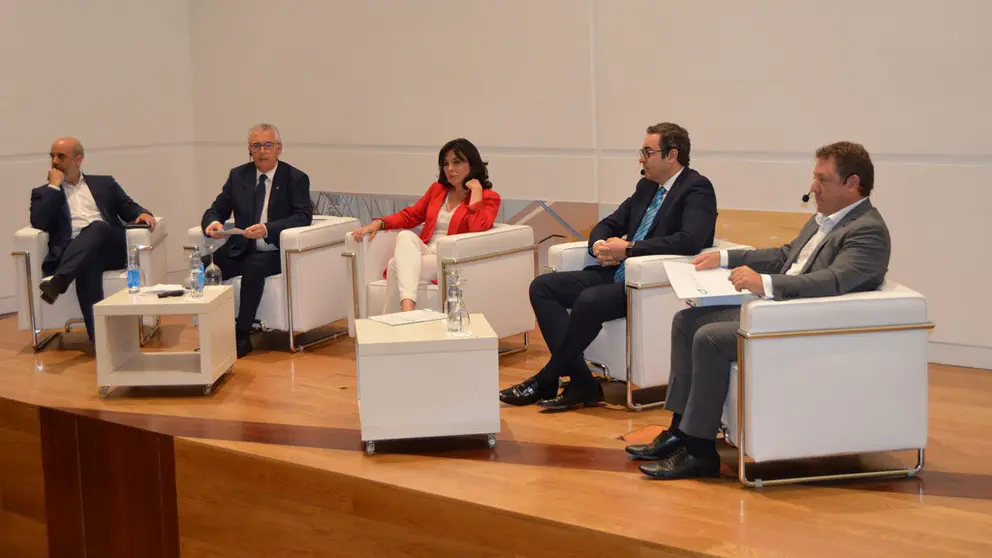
(264, 127)
(77, 150)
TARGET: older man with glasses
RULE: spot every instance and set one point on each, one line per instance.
(266, 196)
(672, 211)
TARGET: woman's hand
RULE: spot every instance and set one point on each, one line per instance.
(474, 189)
(369, 230)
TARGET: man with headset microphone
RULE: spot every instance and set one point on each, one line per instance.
(672, 211)
(843, 248)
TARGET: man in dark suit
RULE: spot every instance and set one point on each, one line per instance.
(267, 197)
(844, 248)
(83, 216)
(672, 211)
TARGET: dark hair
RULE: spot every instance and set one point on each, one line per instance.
(466, 150)
(673, 136)
(851, 158)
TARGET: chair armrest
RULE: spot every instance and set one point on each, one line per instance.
(32, 240)
(147, 237)
(892, 304)
(649, 270)
(368, 260)
(497, 240)
(570, 256)
(324, 231)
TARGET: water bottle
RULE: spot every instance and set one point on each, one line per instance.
(458, 317)
(195, 274)
(133, 271)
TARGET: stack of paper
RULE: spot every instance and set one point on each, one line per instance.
(709, 287)
(412, 317)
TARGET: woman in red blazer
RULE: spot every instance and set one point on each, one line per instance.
(461, 201)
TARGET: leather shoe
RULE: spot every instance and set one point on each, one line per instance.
(575, 396)
(663, 446)
(527, 392)
(49, 290)
(244, 346)
(683, 465)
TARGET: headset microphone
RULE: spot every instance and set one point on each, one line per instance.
(642, 172)
(806, 197)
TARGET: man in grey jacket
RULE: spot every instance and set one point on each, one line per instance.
(843, 248)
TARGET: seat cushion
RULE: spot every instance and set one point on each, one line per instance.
(427, 297)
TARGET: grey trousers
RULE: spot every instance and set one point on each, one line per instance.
(704, 344)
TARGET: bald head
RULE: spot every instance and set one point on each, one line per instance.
(67, 156)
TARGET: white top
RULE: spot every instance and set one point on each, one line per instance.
(82, 206)
(261, 243)
(373, 338)
(826, 223)
(443, 222)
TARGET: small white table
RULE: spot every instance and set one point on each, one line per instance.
(419, 381)
(120, 361)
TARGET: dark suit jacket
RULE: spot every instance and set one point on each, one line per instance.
(853, 257)
(685, 224)
(50, 212)
(289, 204)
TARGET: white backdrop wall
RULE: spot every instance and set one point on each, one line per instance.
(557, 94)
(117, 75)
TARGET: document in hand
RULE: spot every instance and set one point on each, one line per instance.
(232, 232)
(710, 287)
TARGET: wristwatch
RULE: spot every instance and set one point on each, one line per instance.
(629, 249)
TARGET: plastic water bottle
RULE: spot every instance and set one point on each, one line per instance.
(133, 271)
(195, 274)
(458, 317)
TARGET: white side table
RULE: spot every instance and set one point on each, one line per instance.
(120, 361)
(419, 381)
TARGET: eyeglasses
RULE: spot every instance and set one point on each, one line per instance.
(269, 146)
(647, 152)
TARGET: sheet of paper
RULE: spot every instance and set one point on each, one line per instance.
(413, 317)
(705, 288)
(232, 232)
(160, 288)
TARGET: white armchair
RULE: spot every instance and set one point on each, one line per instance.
(497, 266)
(30, 249)
(641, 358)
(306, 295)
(829, 376)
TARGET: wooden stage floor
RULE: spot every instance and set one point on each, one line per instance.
(272, 465)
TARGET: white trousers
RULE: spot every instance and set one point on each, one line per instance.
(412, 262)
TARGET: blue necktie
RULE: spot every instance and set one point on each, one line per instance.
(642, 229)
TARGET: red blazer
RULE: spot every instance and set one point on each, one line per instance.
(477, 217)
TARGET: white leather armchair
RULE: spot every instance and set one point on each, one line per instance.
(828, 376)
(641, 358)
(308, 292)
(497, 267)
(30, 249)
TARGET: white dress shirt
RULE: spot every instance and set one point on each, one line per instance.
(82, 206)
(826, 223)
(261, 243)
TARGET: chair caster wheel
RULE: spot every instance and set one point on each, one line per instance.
(104, 391)
(491, 440)
(208, 389)
(370, 448)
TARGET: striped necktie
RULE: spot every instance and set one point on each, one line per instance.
(642, 229)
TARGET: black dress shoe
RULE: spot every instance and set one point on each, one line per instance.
(663, 446)
(574, 396)
(49, 290)
(244, 346)
(683, 465)
(527, 392)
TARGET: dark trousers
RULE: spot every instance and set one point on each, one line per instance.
(99, 247)
(593, 298)
(704, 344)
(253, 266)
